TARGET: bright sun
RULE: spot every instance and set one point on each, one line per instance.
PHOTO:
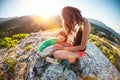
(44, 8)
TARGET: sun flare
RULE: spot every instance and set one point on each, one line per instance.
(43, 8)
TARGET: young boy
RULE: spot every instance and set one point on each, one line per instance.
(46, 47)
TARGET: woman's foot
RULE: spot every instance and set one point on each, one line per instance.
(71, 59)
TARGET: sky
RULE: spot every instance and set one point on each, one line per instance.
(107, 11)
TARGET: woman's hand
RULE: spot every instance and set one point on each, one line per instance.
(58, 47)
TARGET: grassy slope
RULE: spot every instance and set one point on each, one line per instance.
(110, 49)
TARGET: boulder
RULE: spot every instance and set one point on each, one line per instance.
(94, 65)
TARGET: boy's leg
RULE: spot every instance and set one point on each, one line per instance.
(48, 49)
(43, 54)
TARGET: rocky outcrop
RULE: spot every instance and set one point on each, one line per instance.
(93, 66)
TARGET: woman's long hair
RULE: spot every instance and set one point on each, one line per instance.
(70, 17)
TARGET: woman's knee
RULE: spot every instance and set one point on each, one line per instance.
(56, 54)
(60, 54)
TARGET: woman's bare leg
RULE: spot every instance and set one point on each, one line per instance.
(65, 55)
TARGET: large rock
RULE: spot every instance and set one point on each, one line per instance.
(94, 65)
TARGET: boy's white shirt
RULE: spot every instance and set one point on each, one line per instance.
(46, 51)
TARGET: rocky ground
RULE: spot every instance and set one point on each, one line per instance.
(23, 63)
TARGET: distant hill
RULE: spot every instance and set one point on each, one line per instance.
(4, 19)
(26, 24)
(104, 31)
(101, 24)
(23, 24)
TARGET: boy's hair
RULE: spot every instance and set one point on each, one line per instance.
(62, 33)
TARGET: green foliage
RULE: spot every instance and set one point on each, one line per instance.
(19, 36)
(10, 63)
(95, 40)
(28, 48)
(8, 42)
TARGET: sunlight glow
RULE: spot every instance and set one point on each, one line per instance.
(43, 8)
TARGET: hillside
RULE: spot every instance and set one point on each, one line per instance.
(101, 24)
(22, 62)
(27, 24)
(5, 19)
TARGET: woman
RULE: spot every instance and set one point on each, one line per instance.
(76, 25)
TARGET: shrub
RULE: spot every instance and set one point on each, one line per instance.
(8, 42)
(28, 48)
(10, 63)
(19, 36)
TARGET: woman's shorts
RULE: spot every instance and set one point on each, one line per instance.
(80, 54)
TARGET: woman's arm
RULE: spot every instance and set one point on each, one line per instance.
(67, 44)
(62, 45)
(85, 35)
